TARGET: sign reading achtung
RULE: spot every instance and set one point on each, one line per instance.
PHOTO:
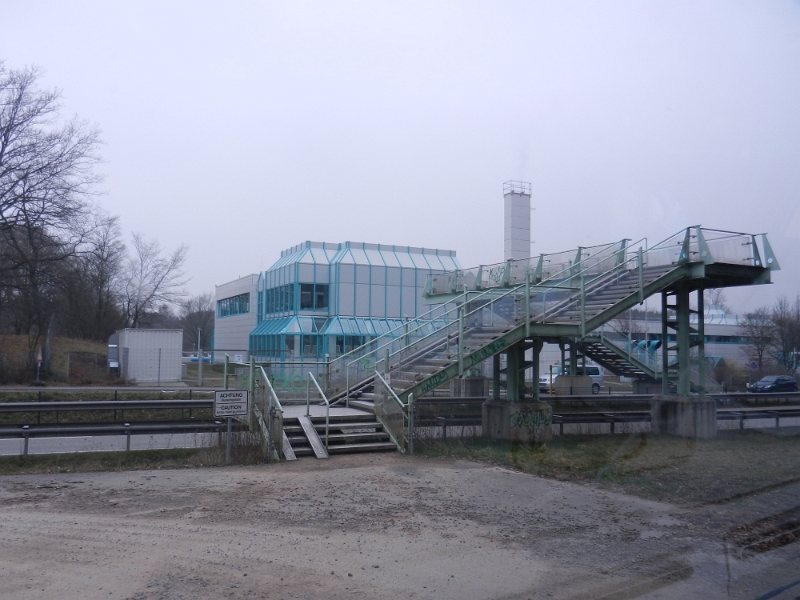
(231, 403)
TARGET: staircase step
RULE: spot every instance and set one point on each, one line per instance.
(320, 427)
(338, 419)
(340, 438)
(364, 405)
(374, 447)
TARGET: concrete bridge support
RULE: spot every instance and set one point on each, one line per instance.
(518, 418)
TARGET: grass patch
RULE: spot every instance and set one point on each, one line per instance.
(661, 468)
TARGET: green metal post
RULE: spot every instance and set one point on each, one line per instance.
(703, 251)
(225, 374)
(539, 274)
(684, 340)
(513, 387)
(528, 301)
(496, 377)
(686, 248)
(327, 372)
(583, 307)
(640, 268)
(411, 423)
(573, 359)
(252, 384)
(664, 346)
(701, 351)
(770, 261)
(461, 341)
(537, 348)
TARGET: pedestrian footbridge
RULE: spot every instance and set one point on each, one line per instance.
(513, 308)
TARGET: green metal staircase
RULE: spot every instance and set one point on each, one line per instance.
(484, 311)
(616, 359)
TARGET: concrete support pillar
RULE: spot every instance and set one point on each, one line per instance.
(693, 418)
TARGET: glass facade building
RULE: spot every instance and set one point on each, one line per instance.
(324, 298)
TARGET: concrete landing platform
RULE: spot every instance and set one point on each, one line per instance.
(296, 410)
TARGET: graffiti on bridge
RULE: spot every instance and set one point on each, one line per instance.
(470, 361)
(288, 381)
(531, 419)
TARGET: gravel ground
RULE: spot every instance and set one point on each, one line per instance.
(371, 526)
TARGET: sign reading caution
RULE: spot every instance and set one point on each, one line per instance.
(231, 403)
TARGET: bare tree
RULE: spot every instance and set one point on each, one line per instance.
(786, 319)
(46, 179)
(151, 278)
(92, 289)
(759, 330)
(716, 297)
(103, 262)
(197, 312)
(46, 167)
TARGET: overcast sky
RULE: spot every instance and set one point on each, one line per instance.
(244, 128)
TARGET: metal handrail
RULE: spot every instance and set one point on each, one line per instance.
(637, 257)
(517, 288)
(542, 257)
(567, 274)
(407, 333)
(513, 290)
(406, 409)
(391, 391)
(271, 389)
(468, 295)
(327, 405)
(121, 405)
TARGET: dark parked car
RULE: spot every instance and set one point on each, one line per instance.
(774, 383)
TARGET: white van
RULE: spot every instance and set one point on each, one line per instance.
(593, 371)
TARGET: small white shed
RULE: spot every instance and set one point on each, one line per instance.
(150, 355)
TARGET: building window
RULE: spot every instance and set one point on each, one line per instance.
(236, 305)
(279, 299)
(313, 296)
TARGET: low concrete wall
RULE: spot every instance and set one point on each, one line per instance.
(572, 385)
(646, 387)
(527, 422)
(694, 418)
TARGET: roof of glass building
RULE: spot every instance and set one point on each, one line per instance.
(360, 253)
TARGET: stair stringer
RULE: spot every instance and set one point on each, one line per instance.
(648, 371)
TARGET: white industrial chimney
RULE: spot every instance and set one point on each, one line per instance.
(517, 212)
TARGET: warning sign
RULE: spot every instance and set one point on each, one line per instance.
(231, 403)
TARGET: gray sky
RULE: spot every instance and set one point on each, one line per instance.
(243, 128)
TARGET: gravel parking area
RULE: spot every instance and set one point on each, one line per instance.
(370, 526)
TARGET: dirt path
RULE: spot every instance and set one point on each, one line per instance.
(379, 526)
